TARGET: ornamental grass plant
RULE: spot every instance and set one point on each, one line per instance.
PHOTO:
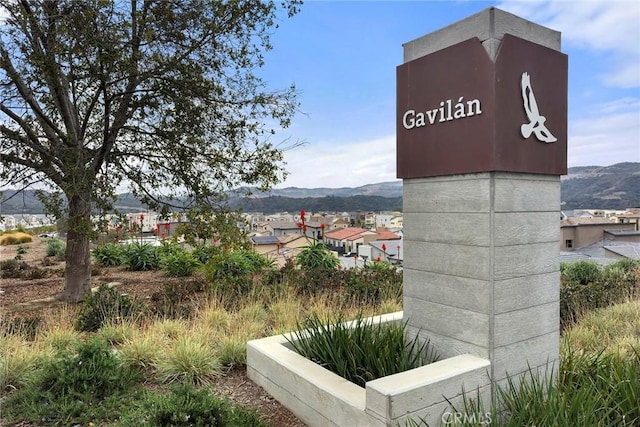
(19, 360)
(361, 350)
(141, 352)
(14, 238)
(597, 383)
(188, 359)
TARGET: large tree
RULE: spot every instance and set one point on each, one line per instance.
(161, 95)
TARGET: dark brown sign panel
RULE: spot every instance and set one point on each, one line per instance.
(459, 112)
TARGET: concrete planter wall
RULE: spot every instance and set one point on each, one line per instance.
(321, 398)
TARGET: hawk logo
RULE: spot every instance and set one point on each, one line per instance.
(536, 121)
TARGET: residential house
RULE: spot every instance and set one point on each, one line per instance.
(630, 216)
(369, 220)
(387, 250)
(337, 223)
(253, 219)
(264, 244)
(337, 239)
(8, 222)
(281, 217)
(384, 234)
(576, 233)
(396, 222)
(282, 228)
(384, 219)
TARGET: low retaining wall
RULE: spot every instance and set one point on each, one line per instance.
(321, 398)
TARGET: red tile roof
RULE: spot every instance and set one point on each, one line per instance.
(344, 233)
(387, 235)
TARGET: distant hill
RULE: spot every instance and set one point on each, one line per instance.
(274, 204)
(585, 187)
(597, 187)
(381, 189)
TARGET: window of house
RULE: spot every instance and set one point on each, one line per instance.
(568, 243)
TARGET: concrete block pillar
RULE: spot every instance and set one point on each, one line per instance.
(481, 192)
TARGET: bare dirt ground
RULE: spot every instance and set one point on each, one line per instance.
(17, 296)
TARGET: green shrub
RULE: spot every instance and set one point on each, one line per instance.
(168, 248)
(232, 272)
(109, 254)
(592, 390)
(33, 273)
(20, 251)
(317, 255)
(354, 285)
(372, 285)
(258, 261)
(204, 253)
(106, 304)
(582, 272)
(379, 266)
(599, 387)
(56, 248)
(586, 286)
(187, 406)
(141, 257)
(173, 301)
(12, 268)
(236, 263)
(75, 388)
(361, 352)
(179, 264)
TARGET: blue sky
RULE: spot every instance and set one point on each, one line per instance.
(342, 57)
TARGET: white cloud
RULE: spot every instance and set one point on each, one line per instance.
(609, 27)
(609, 134)
(335, 164)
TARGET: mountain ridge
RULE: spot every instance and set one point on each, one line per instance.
(584, 187)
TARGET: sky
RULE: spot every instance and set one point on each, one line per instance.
(342, 57)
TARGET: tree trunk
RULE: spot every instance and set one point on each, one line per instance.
(77, 273)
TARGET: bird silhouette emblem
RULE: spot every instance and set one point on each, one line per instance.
(536, 121)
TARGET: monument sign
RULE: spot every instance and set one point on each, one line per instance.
(481, 144)
(461, 112)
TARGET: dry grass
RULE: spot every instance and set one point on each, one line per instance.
(19, 359)
(614, 329)
(15, 238)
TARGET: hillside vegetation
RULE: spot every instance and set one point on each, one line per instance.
(585, 187)
(611, 187)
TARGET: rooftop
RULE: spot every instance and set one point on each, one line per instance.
(344, 233)
(264, 240)
(573, 221)
(628, 250)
